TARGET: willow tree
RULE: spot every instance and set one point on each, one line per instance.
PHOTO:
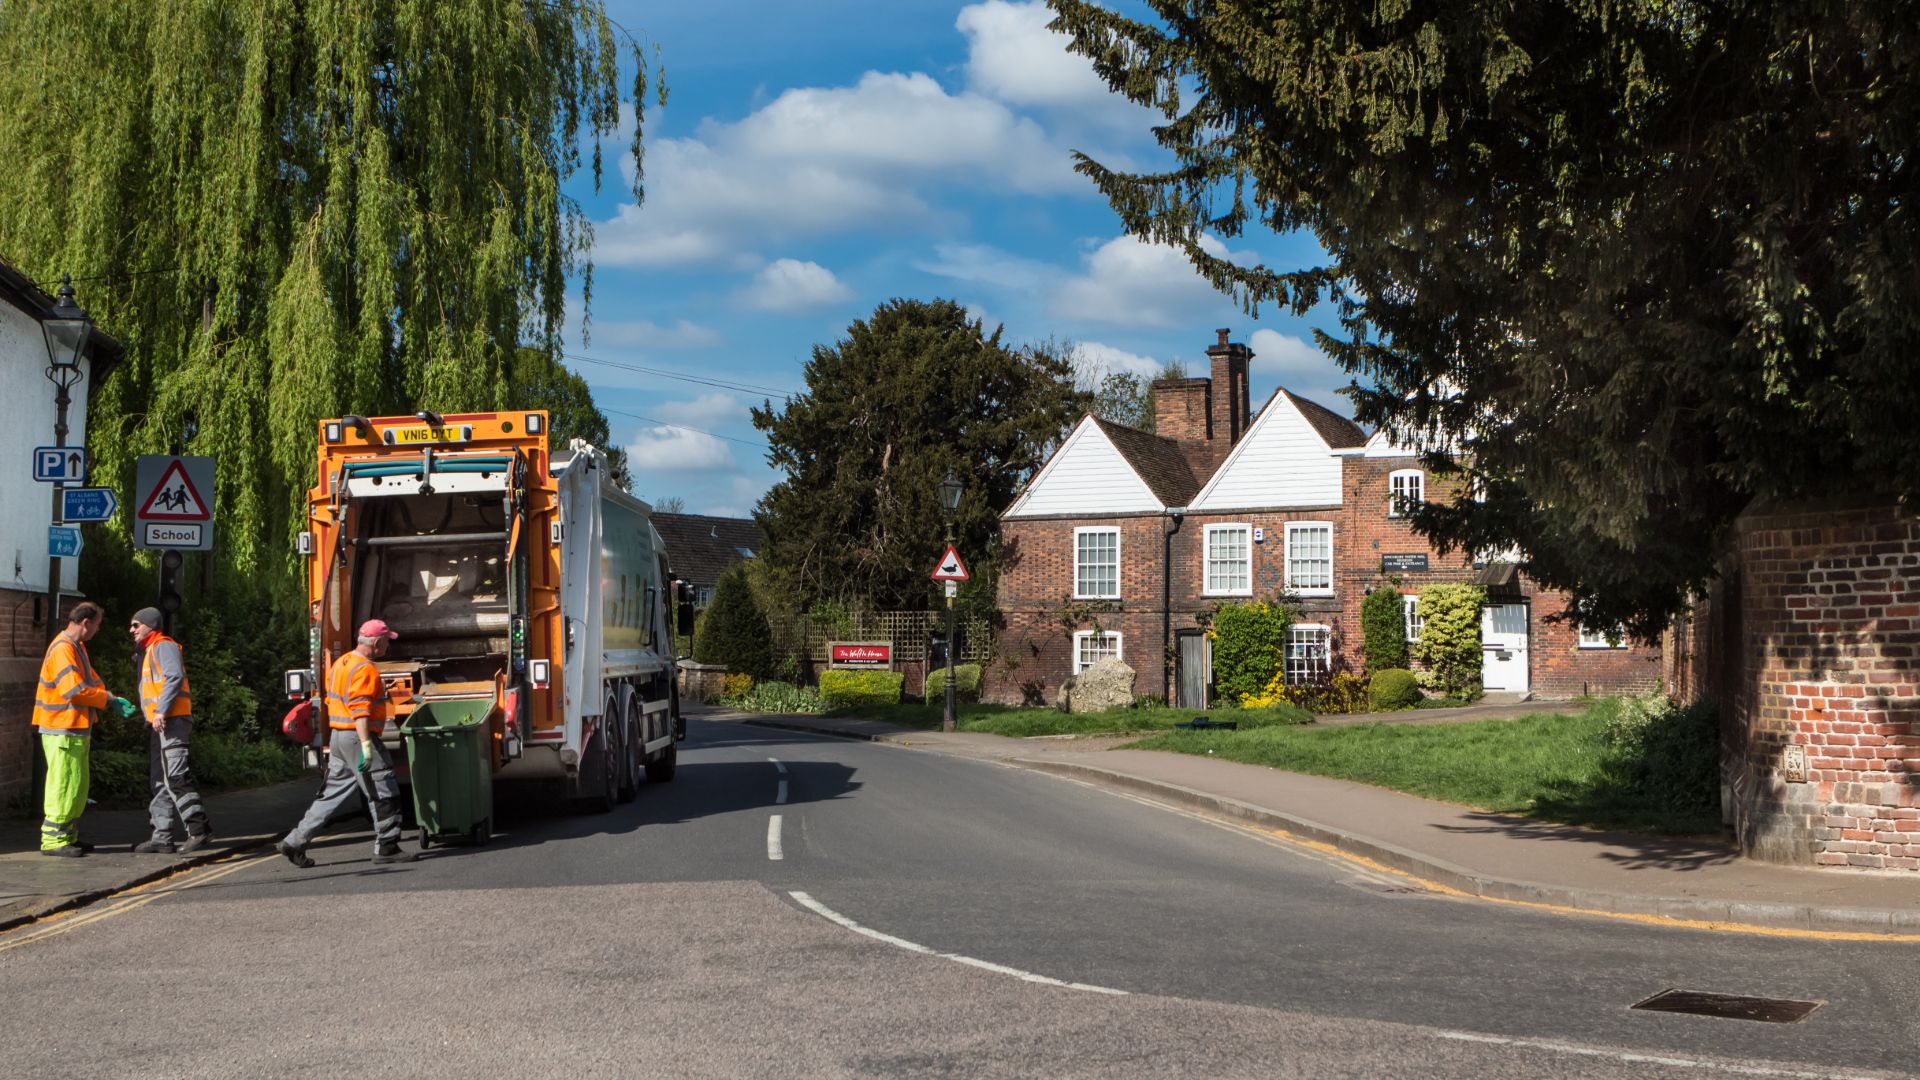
(1637, 262)
(290, 209)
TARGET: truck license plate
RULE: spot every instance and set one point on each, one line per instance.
(430, 434)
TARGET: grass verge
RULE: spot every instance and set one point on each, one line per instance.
(1556, 768)
(1024, 723)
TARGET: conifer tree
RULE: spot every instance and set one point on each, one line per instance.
(1630, 266)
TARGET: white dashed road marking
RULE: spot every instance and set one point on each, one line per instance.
(828, 913)
(773, 838)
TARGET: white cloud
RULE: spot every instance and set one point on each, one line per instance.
(793, 285)
(1132, 283)
(644, 333)
(1014, 57)
(705, 411)
(1094, 361)
(667, 449)
(1287, 356)
(985, 264)
(820, 160)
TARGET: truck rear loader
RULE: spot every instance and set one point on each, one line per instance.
(521, 583)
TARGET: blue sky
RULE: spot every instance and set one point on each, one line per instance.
(816, 160)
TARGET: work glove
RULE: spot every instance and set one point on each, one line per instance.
(121, 707)
(366, 755)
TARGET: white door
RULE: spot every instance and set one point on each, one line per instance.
(1503, 647)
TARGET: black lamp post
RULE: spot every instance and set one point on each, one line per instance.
(67, 328)
(950, 502)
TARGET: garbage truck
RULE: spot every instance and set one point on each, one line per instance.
(533, 599)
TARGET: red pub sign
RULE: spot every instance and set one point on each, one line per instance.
(860, 653)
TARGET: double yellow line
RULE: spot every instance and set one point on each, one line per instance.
(131, 900)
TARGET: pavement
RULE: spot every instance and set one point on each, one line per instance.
(34, 886)
(1499, 857)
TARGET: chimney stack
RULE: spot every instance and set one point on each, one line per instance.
(1232, 404)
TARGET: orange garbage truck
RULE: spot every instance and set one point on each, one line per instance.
(524, 585)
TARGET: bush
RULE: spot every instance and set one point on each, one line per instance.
(218, 763)
(1249, 641)
(774, 696)
(1450, 637)
(1393, 689)
(735, 684)
(1383, 629)
(966, 683)
(844, 689)
(1343, 693)
(1667, 756)
(734, 631)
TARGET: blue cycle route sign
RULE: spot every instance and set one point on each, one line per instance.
(62, 541)
(88, 504)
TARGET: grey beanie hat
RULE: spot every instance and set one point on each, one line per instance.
(148, 616)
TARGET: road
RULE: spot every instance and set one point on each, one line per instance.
(794, 905)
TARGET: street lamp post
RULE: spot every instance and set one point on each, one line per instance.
(67, 328)
(950, 502)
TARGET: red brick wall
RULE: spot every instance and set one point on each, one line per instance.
(17, 680)
(1813, 639)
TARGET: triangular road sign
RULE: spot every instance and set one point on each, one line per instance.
(175, 498)
(950, 568)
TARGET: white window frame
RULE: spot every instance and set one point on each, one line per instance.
(1208, 586)
(1293, 585)
(1399, 478)
(1598, 639)
(1410, 616)
(1084, 530)
(1081, 637)
(1325, 635)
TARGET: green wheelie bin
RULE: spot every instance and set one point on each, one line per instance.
(451, 760)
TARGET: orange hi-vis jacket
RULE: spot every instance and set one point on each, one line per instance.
(153, 679)
(354, 691)
(70, 694)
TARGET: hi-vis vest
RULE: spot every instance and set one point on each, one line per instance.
(69, 693)
(153, 683)
(354, 690)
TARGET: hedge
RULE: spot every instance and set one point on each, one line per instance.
(1383, 629)
(1393, 689)
(966, 683)
(844, 689)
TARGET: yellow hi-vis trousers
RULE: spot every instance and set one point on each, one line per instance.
(69, 774)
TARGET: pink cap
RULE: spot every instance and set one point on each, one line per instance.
(376, 628)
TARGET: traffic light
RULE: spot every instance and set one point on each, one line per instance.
(170, 585)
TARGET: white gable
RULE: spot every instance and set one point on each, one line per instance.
(1086, 477)
(1282, 461)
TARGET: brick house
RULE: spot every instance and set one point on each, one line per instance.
(24, 626)
(1124, 536)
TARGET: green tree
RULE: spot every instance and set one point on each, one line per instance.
(1383, 630)
(917, 389)
(538, 381)
(1631, 266)
(1126, 398)
(733, 631)
(294, 211)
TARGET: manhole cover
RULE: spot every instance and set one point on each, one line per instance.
(1730, 1006)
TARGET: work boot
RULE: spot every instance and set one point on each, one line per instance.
(154, 847)
(70, 851)
(83, 845)
(195, 841)
(295, 855)
(394, 854)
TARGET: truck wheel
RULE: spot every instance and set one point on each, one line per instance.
(661, 769)
(629, 772)
(602, 758)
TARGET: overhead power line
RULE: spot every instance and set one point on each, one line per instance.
(665, 373)
(683, 427)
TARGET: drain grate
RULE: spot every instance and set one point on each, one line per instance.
(1730, 1006)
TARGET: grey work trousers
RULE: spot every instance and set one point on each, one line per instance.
(377, 787)
(175, 808)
